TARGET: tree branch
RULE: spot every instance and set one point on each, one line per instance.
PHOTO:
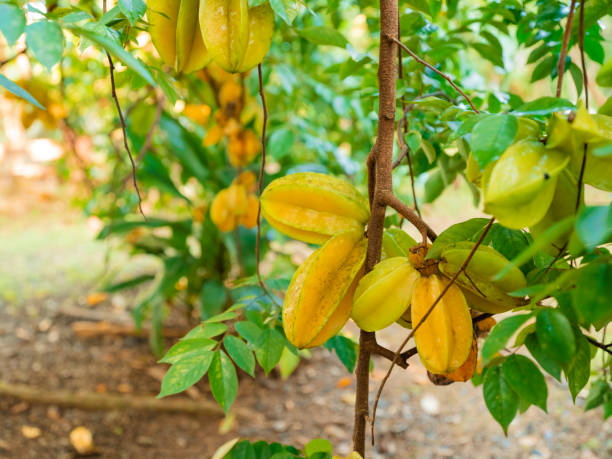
(389, 199)
(431, 67)
(603, 347)
(564, 47)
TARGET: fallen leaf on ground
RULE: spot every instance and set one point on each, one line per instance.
(344, 382)
(96, 298)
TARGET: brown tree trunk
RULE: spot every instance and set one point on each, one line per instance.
(379, 172)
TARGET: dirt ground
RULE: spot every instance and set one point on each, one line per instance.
(41, 274)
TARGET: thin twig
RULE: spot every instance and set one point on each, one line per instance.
(603, 347)
(424, 318)
(260, 183)
(388, 354)
(406, 154)
(564, 47)
(124, 131)
(585, 77)
(431, 67)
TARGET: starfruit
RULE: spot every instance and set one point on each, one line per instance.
(228, 206)
(175, 32)
(466, 371)
(571, 136)
(396, 243)
(384, 294)
(444, 340)
(320, 296)
(527, 129)
(477, 281)
(237, 37)
(563, 205)
(311, 207)
(522, 183)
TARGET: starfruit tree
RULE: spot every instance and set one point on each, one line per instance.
(537, 268)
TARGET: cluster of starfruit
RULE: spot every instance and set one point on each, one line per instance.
(330, 287)
(236, 110)
(189, 34)
(535, 182)
(236, 205)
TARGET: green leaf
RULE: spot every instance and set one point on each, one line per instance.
(502, 402)
(133, 9)
(12, 22)
(604, 76)
(188, 348)
(591, 296)
(543, 106)
(185, 373)
(248, 330)
(269, 348)
(46, 41)
(280, 143)
(212, 298)
(551, 234)
(491, 136)
(548, 364)
(227, 315)
(525, 378)
(321, 35)
(346, 349)
(116, 50)
(240, 354)
(285, 9)
(206, 330)
(555, 335)
(578, 370)
(318, 445)
(468, 230)
(500, 334)
(223, 380)
(18, 91)
(434, 185)
(596, 395)
(594, 225)
(543, 69)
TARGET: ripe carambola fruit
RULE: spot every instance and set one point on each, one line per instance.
(312, 207)
(396, 243)
(384, 294)
(175, 31)
(522, 184)
(320, 296)
(466, 371)
(444, 339)
(477, 280)
(237, 37)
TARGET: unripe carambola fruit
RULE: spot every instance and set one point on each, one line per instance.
(384, 294)
(396, 243)
(320, 296)
(175, 31)
(312, 207)
(237, 37)
(562, 206)
(481, 291)
(522, 183)
(444, 339)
